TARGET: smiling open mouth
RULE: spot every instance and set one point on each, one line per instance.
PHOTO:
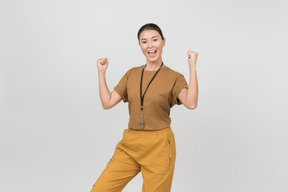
(152, 53)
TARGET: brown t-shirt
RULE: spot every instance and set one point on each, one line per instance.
(160, 96)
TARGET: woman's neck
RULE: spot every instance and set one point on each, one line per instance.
(152, 66)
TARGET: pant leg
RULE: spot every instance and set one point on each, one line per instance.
(119, 171)
(158, 169)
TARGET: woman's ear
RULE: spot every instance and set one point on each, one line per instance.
(164, 42)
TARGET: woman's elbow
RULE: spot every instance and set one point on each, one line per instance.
(192, 107)
(107, 106)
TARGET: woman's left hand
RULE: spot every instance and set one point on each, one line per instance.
(192, 58)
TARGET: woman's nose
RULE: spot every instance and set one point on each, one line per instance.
(150, 44)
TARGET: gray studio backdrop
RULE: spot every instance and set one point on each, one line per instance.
(55, 135)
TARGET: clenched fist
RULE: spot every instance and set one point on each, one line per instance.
(192, 58)
(102, 64)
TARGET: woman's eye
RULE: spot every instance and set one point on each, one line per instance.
(143, 41)
(155, 39)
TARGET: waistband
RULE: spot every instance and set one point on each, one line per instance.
(144, 132)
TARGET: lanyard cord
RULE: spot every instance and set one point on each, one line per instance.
(142, 97)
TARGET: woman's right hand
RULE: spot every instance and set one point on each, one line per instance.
(102, 64)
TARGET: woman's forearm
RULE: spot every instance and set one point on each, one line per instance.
(192, 93)
(103, 89)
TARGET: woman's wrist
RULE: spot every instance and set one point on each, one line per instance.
(192, 67)
(101, 72)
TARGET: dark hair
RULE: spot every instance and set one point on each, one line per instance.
(150, 26)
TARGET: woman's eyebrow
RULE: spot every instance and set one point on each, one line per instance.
(152, 37)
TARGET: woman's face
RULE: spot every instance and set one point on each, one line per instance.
(151, 45)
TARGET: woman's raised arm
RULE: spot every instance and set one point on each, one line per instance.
(189, 97)
(108, 99)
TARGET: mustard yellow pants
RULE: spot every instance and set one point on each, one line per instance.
(151, 152)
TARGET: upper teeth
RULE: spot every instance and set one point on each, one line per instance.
(151, 51)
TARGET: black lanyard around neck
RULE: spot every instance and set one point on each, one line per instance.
(142, 97)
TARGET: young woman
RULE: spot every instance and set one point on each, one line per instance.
(148, 143)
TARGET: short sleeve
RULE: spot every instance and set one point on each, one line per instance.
(121, 87)
(180, 83)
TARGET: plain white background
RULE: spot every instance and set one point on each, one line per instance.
(55, 136)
